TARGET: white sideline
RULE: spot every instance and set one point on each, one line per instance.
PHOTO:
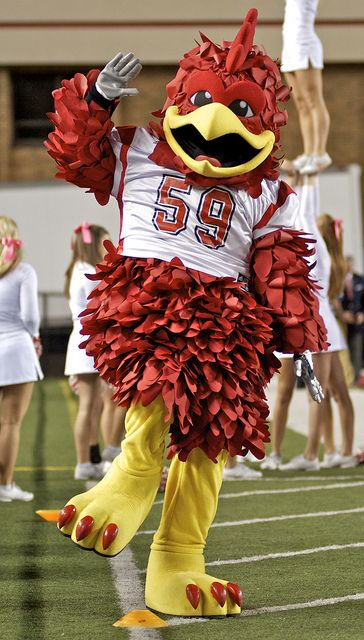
(238, 523)
(286, 554)
(293, 479)
(130, 592)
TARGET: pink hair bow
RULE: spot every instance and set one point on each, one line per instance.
(338, 228)
(10, 245)
(84, 228)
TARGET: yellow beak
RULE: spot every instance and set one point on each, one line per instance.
(213, 121)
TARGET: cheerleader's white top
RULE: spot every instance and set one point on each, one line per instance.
(77, 361)
(302, 47)
(19, 324)
(308, 211)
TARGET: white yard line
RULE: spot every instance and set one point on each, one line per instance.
(238, 523)
(282, 554)
(265, 492)
(324, 602)
(294, 516)
(130, 592)
(301, 478)
(286, 554)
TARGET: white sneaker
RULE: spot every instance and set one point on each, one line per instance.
(250, 457)
(300, 161)
(105, 467)
(330, 461)
(89, 471)
(315, 164)
(300, 463)
(272, 462)
(109, 453)
(10, 492)
(240, 472)
(348, 462)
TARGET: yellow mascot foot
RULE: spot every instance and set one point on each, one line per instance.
(178, 585)
(107, 517)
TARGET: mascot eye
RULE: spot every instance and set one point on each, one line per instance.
(200, 98)
(241, 109)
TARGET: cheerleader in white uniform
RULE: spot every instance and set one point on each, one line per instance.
(19, 350)
(88, 250)
(327, 364)
(302, 63)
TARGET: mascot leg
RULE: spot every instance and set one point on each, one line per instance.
(176, 580)
(106, 518)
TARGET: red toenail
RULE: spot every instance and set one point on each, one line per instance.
(193, 594)
(219, 592)
(84, 527)
(66, 515)
(109, 535)
(235, 592)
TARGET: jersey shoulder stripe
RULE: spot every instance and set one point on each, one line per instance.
(283, 192)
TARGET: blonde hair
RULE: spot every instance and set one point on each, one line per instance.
(85, 252)
(8, 229)
(331, 231)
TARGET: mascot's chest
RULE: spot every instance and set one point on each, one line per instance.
(163, 216)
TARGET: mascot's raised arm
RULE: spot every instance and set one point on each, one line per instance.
(209, 278)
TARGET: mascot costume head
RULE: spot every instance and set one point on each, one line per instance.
(221, 118)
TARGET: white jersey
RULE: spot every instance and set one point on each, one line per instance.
(77, 361)
(210, 229)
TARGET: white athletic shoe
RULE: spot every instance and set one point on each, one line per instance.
(109, 453)
(331, 460)
(272, 462)
(300, 161)
(250, 457)
(300, 463)
(89, 471)
(336, 460)
(315, 164)
(10, 492)
(241, 472)
(348, 462)
(105, 467)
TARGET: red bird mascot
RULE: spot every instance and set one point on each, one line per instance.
(208, 280)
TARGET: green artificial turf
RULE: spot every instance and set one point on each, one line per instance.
(51, 589)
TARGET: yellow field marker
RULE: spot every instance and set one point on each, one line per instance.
(50, 515)
(140, 618)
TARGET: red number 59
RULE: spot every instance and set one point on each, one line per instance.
(214, 211)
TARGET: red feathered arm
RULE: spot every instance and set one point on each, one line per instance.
(281, 281)
(80, 142)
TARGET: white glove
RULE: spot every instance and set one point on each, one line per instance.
(304, 369)
(113, 79)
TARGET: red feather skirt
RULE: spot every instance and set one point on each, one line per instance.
(203, 342)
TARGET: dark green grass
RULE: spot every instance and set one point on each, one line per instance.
(51, 589)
